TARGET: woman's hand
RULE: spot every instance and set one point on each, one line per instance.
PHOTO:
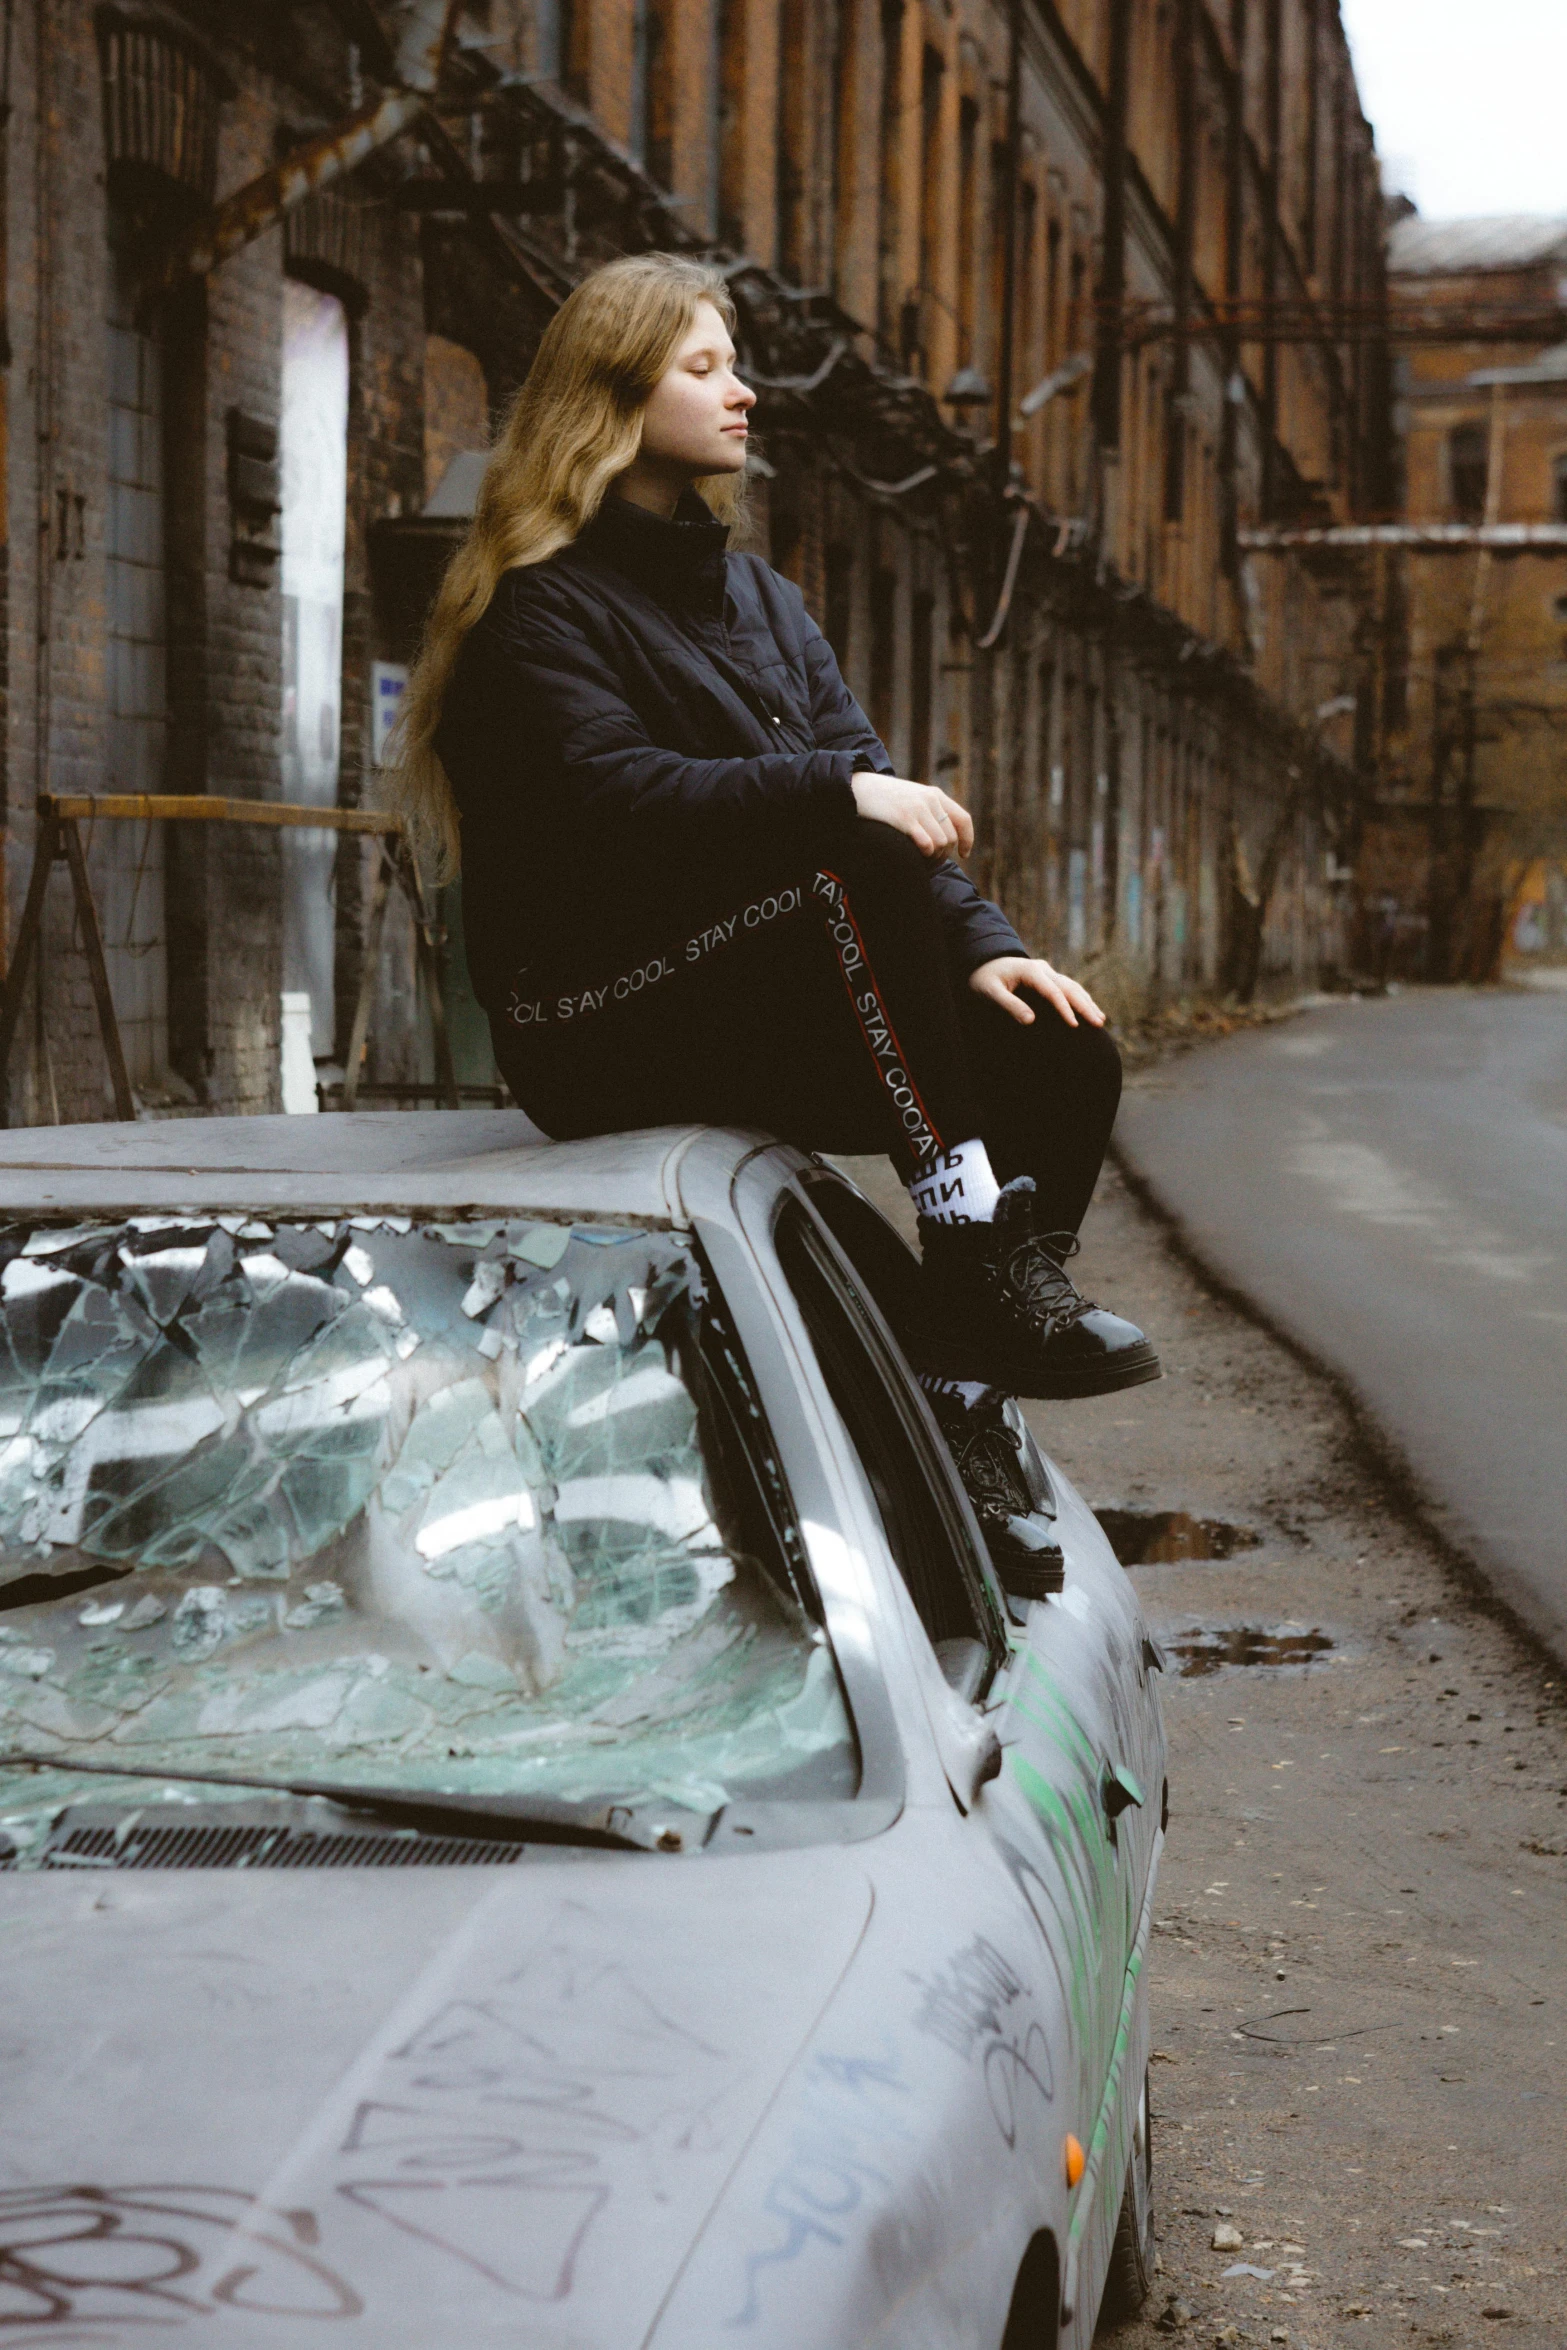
(1001, 979)
(937, 826)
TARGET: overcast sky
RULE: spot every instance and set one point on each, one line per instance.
(1468, 99)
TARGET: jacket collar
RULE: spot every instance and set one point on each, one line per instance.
(681, 561)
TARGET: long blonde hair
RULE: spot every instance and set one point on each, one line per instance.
(575, 425)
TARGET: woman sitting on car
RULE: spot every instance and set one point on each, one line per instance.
(694, 890)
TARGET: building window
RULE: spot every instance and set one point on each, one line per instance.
(932, 202)
(1559, 486)
(793, 120)
(1466, 471)
(731, 123)
(846, 129)
(889, 288)
(968, 231)
(1027, 359)
(573, 30)
(653, 90)
(1051, 354)
(456, 409)
(160, 106)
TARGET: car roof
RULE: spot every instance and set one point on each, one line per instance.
(347, 1163)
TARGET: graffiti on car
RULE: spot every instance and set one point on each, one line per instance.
(851, 2108)
(138, 2254)
(967, 2006)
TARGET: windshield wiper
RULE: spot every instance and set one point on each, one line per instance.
(617, 1827)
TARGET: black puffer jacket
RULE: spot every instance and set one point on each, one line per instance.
(629, 725)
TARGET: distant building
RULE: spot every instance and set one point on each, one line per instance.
(1040, 376)
(1464, 859)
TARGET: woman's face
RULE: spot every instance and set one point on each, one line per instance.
(695, 421)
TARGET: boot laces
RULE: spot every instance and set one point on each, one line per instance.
(985, 1454)
(1035, 1270)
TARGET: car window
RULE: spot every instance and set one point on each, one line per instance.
(926, 1525)
(484, 1506)
(881, 1258)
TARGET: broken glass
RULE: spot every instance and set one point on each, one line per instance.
(479, 1507)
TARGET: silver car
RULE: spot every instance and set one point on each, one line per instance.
(560, 1532)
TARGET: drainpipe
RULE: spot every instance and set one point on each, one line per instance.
(416, 42)
(262, 203)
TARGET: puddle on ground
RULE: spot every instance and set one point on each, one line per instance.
(1151, 1538)
(1245, 1644)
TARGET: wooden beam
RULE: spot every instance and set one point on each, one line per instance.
(205, 808)
(98, 972)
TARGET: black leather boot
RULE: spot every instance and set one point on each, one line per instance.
(1011, 1495)
(998, 1306)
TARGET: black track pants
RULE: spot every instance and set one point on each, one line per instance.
(818, 1004)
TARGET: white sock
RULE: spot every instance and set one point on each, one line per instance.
(959, 1188)
(968, 1392)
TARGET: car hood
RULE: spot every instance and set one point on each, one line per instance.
(432, 2107)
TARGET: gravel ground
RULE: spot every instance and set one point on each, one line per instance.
(1360, 2047)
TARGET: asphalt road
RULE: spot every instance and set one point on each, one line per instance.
(1387, 1180)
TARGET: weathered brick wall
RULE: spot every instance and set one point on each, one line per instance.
(222, 908)
(1108, 788)
(222, 339)
(57, 300)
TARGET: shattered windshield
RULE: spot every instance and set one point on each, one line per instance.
(483, 1507)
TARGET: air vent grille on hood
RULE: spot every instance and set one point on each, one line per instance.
(249, 1846)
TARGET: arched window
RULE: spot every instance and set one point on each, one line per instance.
(1466, 471)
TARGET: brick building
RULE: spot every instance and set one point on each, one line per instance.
(1465, 857)
(1063, 317)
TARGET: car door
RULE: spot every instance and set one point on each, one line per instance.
(1076, 1815)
